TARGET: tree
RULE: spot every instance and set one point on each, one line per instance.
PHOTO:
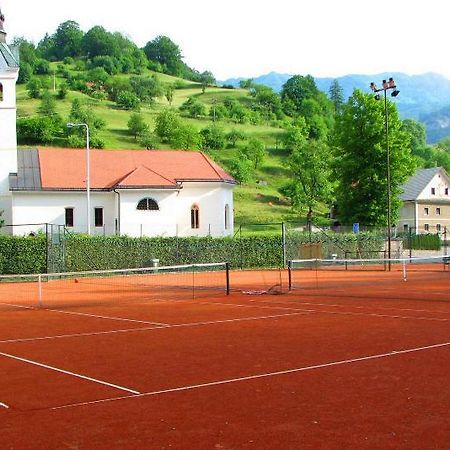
(311, 171)
(206, 79)
(97, 42)
(336, 95)
(146, 88)
(166, 53)
(169, 93)
(213, 138)
(67, 41)
(193, 107)
(48, 104)
(128, 100)
(34, 88)
(362, 160)
(233, 136)
(137, 125)
(255, 151)
(165, 124)
(242, 169)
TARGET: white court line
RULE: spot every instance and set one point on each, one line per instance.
(258, 376)
(368, 306)
(130, 330)
(4, 405)
(97, 316)
(77, 375)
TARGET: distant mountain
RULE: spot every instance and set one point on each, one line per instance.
(425, 98)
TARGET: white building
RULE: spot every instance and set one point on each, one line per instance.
(130, 192)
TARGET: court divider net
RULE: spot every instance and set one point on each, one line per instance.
(114, 286)
(315, 273)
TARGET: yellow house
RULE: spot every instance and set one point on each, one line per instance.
(426, 202)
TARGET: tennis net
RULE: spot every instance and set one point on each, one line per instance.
(114, 286)
(322, 273)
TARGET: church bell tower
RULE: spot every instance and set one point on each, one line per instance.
(9, 71)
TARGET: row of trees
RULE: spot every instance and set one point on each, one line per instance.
(113, 52)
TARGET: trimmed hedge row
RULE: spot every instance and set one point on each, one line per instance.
(23, 254)
(29, 254)
(93, 253)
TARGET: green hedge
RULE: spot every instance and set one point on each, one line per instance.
(113, 252)
(422, 242)
(29, 254)
(23, 254)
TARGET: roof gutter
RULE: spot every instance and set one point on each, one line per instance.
(118, 212)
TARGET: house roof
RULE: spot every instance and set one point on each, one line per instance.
(418, 182)
(65, 169)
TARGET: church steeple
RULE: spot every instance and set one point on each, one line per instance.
(2, 30)
(9, 71)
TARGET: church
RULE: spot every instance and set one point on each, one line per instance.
(105, 192)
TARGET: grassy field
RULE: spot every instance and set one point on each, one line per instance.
(257, 202)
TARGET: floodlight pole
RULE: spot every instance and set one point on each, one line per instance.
(88, 172)
(387, 85)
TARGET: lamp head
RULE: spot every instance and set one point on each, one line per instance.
(395, 92)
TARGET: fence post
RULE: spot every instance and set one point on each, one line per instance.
(283, 239)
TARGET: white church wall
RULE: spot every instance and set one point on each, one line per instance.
(36, 208)
(174, 215)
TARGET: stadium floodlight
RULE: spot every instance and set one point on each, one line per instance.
(387, 85)
(88, 172)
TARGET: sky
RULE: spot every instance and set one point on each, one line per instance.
(248, 38)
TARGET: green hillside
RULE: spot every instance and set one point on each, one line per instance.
(256, 201)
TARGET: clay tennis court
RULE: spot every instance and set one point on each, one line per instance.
(345, 360)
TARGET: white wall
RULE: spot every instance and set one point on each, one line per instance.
(8, 139)
(440, 182)
(174, 215)
(43, 207)
(172, 219)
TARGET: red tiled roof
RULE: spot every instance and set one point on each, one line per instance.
(63, 168)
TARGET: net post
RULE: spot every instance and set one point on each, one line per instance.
(290, 275)
(227, 277)
(40, 291)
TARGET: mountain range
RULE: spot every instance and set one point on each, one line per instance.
(425, 98)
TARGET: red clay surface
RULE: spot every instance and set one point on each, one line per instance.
(362, 365)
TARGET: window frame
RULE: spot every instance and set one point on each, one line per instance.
(195, 217)
(69, 216)
(96, 223)
(150, 204)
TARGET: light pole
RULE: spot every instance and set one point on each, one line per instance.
(386, 86)
(88, 172)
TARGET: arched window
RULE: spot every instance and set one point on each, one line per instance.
(1, 92)
(147, 204)
(195, 216)
(227, 217)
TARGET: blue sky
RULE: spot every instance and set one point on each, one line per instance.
(248, 38)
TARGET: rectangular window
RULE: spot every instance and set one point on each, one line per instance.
(427, 227)
(69, 217)
(438, 211)
(405, 227)
(433, 191)
(438, 227)
(98, 213)
(426, 211)
(446, 191)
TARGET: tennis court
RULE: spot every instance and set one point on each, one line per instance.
(209, 359)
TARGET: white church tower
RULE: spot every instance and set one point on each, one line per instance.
(9, 71)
